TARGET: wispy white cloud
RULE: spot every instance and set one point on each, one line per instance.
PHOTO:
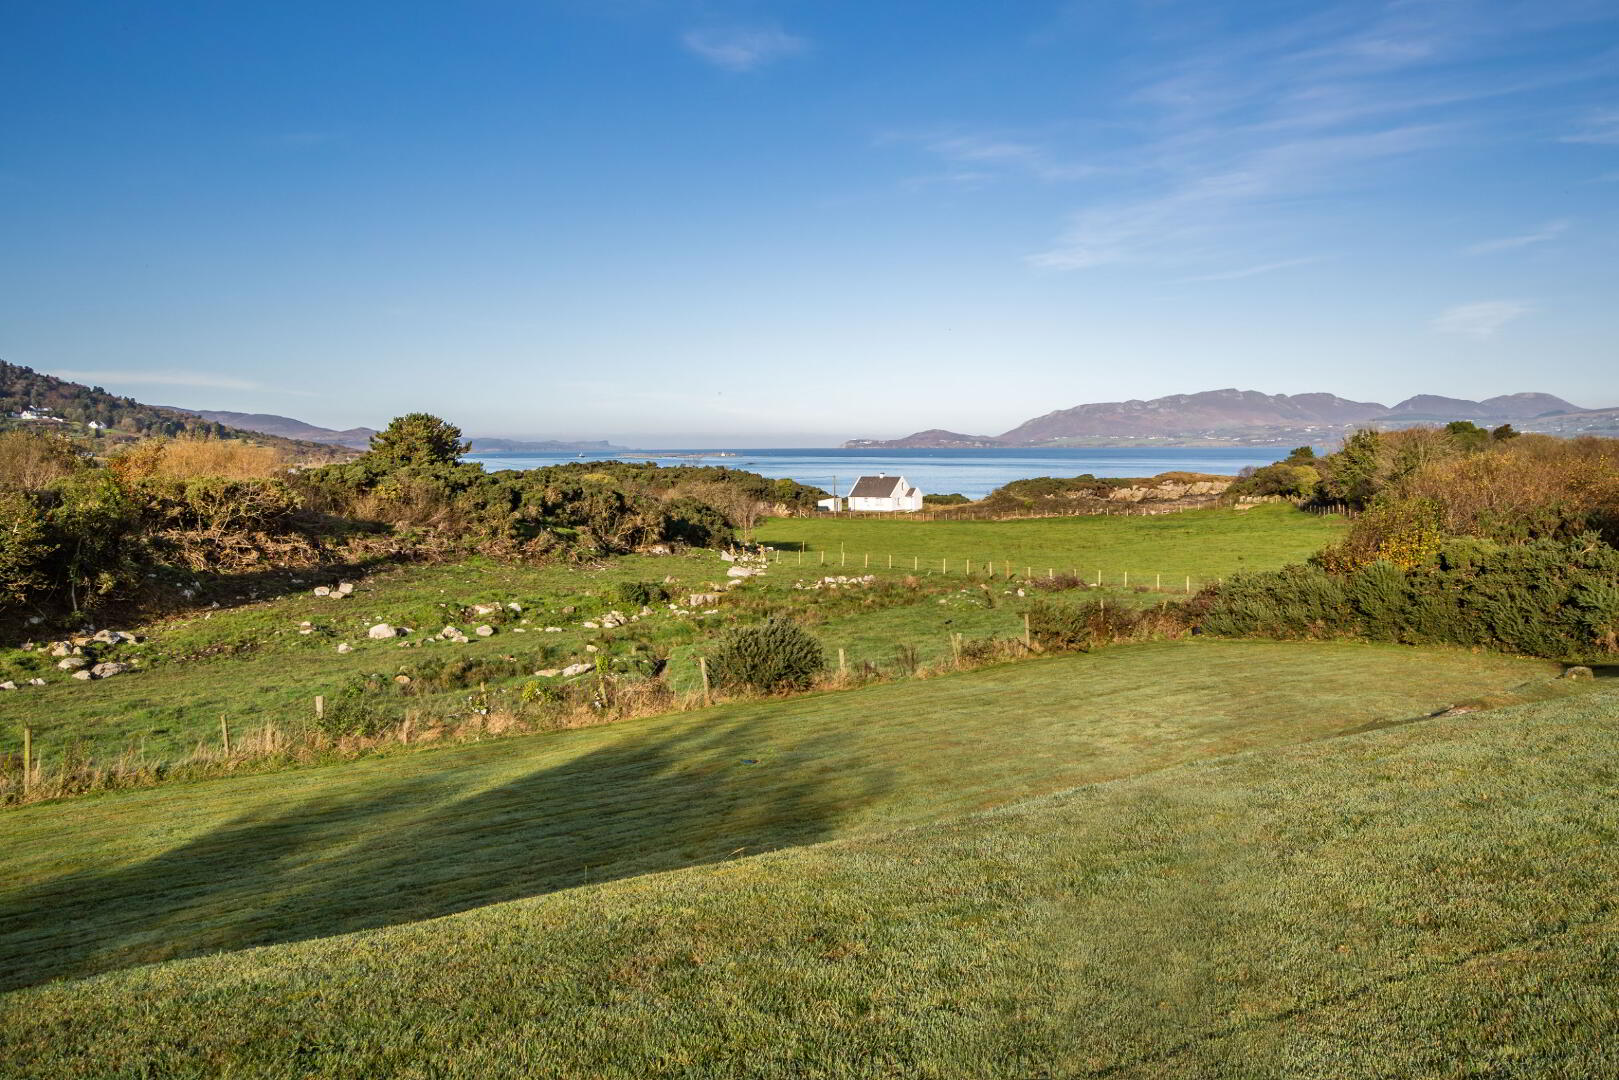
(1252, 271)
(1481, 319)
(197, 379)
(1549, 231)
(1244, 138)
(738, 48)
(989, 155)
(1601, 128)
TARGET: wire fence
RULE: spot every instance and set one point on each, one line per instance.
(1006, 569)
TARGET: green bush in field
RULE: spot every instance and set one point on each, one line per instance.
(641, 593)
(775, 655)
(1551, 598)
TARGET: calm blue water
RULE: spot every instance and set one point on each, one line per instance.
(974, 473)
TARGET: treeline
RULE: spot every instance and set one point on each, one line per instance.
(79, 536)
(1465, 536)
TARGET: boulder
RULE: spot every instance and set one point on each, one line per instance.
(702, 599)
(381, 632)
(450, 633)
(323, 590)
(345, 648)
(485, 609)
(549, 673)
(36, 682)
(61, 648)
(1578, 671)
(344, 588)
(72, 663)
(108, 670)
(577, 669)
(8, 685)
(84, 675)
(485, 631)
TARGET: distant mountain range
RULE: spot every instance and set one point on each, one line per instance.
(1250, 416)
(359, 438)
(286, 427)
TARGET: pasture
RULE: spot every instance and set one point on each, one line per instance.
(110, 880)
(1432, 899)
(1202, 545)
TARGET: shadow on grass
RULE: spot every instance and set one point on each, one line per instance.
(389, 851)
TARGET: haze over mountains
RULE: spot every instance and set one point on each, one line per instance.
(359, 438)
(1249, 414)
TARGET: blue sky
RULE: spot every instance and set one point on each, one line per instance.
(793, 223)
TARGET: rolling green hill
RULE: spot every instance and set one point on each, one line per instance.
(1433, 899)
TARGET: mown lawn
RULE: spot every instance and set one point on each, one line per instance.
(1201, 544)
(107, 881)
(1431, 900)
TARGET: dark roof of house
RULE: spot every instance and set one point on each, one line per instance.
(877, 487)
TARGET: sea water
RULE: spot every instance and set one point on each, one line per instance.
(973, 473)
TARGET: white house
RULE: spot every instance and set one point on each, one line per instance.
(884, 493)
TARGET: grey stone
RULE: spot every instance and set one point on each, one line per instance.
(323, 590)
(485, 631)
(345, 648)
(72, 663)
(345, 588)
(381, 632)
(577, 669)
(8, 685)
(107, 671)
(85, 675)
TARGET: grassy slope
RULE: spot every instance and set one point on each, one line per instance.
(1432, 900)
(114, 880)
(1202, 544)
(255, 667)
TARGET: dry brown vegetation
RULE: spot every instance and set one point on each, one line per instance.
(190, 458)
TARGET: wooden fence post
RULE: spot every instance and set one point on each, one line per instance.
(1028, 641)
(843, 663)
(702, 666)
(1158, 581)
(224, 734)
(1127, 579)
(1188, 583)
(320, 707)
(27, 760)
(944, 565)
(868, 560)
(916, 562)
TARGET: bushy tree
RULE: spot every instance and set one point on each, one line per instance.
(775, 655)
(417, 439)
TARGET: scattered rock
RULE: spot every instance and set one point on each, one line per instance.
(590, 648)
(61, 648)
(553, 629)
(108, 670)
(485, 609)
(1578, 671)
(8, 685)
(577, 669)
(485, 631)
(72, 663)
(381, 632)
(85, 675)
(345, 648)
(702, 599)
(549, 673)
(323, 590)
(590, 626)
(344, 588)
(36, 682)
(516, 607)
(449, 633)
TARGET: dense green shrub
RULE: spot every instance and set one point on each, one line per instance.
(1090, 624)
(775, 655)
(641, 593)
(1551, 598)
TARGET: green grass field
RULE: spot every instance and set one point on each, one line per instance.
(1432, 899)
(106, 881)
(1200, 544)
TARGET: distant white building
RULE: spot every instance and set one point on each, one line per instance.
(883, 493)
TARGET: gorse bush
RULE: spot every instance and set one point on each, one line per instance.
(1550, 598)
(641, 593)
(775, 655)
(1090, 624)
